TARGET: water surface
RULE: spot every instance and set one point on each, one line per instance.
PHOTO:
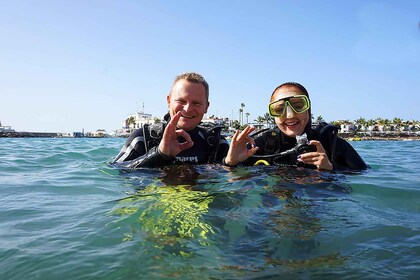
(65, 213)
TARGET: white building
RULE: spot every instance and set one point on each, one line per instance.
(347, 127)
(6, 128)
(137, 120)
(215, 120)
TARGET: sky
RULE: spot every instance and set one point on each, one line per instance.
(78, 65)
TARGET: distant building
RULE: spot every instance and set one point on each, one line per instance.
(347, 127)
(6, 128)
(133, 122)
(99, 133)
(215, 120)
(137, 120)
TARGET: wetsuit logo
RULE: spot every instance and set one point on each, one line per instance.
(187, 159)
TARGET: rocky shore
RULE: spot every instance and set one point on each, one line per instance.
(380, 137)
(16, 134)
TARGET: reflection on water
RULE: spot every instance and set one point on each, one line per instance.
(204, 222)
(248, 219)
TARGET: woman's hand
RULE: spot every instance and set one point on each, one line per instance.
(318, 158)
(238, 150)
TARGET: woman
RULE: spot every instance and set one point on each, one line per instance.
(290, 106)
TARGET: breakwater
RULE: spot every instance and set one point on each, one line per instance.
(18, 134)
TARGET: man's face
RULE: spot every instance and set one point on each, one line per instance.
(190, 99)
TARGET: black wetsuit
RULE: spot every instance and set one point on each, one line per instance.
(340, 153)
(136, 153)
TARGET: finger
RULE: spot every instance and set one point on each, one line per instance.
(252, 151)
(248, 130)
(174, 121)
(183, 134)
(186, 145)
(235, 136)
(318, 145)
(251, 129)
(171, 127)
(245, 133)
(309, 156)
(251, 141)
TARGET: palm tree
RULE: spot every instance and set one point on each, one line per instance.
(319, 119)
(370, 123)
(381, 123)
(259, 120)
(242, 113)
(360, 122)
(398, 122)
(247, 115)
(268, 118)
(337, 123)
(236, 124)
(129, 121)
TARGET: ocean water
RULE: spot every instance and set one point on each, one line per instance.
(66, 214)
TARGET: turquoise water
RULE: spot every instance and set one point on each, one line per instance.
(64, 213)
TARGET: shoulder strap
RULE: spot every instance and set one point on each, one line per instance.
(328, 136)
(212, 134)
(272, 142)
(152, 134)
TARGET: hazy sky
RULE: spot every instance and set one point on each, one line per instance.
(72, 65)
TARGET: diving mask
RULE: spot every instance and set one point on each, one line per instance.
(298, 103)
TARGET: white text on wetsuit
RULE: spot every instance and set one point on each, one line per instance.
(187, 159)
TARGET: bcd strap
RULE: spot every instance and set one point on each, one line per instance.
(272, 143)
(212, 136)
(152, 134)
(328, 137)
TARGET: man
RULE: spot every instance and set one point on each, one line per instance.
(181, 139)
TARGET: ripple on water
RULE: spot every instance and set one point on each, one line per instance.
(63, 207)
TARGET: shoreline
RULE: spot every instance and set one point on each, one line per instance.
(345, 137)
(376, 138)
(380, 137)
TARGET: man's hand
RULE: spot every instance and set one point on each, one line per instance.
(169, 145)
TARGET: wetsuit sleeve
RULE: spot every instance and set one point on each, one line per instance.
(153, 158)
(133, 147)
(347, 157)
(133, 154)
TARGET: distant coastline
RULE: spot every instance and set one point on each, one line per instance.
(347, 136)
(17, 134)
(383, 138)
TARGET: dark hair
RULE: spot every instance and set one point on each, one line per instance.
(292, 84)
(301, 89)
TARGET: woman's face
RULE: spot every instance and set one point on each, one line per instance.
(290, 123)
